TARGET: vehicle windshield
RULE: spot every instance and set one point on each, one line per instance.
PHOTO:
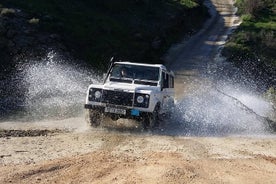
(146, 75)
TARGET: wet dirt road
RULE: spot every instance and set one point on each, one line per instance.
(130, 156)
(70, 152)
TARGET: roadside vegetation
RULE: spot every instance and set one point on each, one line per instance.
(253, 45)
(138, 30)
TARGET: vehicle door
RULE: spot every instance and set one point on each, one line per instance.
(167, 92)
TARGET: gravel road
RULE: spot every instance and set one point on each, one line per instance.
(68, 151)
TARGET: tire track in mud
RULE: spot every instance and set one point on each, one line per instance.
(27, 133)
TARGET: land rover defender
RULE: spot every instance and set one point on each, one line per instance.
(143, 92)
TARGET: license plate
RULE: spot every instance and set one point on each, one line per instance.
(115, 110)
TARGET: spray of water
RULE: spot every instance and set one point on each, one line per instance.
(215, 107)
(53, 87)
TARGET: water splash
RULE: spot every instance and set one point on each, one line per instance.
(54, 87)
(223, 101)
(220, 110)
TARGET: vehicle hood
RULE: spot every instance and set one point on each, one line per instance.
(115, 86)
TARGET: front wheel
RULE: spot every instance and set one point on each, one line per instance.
(152, 119)
(94, 117)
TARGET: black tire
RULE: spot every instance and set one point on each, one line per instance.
(151, 121)
(94, 117)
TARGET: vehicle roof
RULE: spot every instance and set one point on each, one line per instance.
(141, 64)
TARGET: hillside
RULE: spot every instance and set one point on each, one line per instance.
(93, 31)
(252, 47)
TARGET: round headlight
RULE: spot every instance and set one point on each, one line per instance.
(98, 94)
(140, 99)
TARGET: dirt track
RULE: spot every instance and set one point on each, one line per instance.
(131, 156)
(78, 154)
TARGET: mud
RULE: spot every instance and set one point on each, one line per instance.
(26, 133)
(107, 156)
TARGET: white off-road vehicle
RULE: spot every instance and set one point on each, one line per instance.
(143, 92)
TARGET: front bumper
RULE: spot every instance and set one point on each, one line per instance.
(130, 113)
(88, 106)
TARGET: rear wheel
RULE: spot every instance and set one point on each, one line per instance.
(94, 117)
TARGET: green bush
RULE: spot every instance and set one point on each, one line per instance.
(255, 39)
(188, 3)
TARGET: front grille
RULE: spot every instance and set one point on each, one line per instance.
(117, 98)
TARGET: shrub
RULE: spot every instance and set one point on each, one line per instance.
(246, 17)
(253, 7)
(34, 21)
(268, 38)
(188, 3)
(7, 11)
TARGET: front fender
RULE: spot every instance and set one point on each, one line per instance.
(154, 101)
